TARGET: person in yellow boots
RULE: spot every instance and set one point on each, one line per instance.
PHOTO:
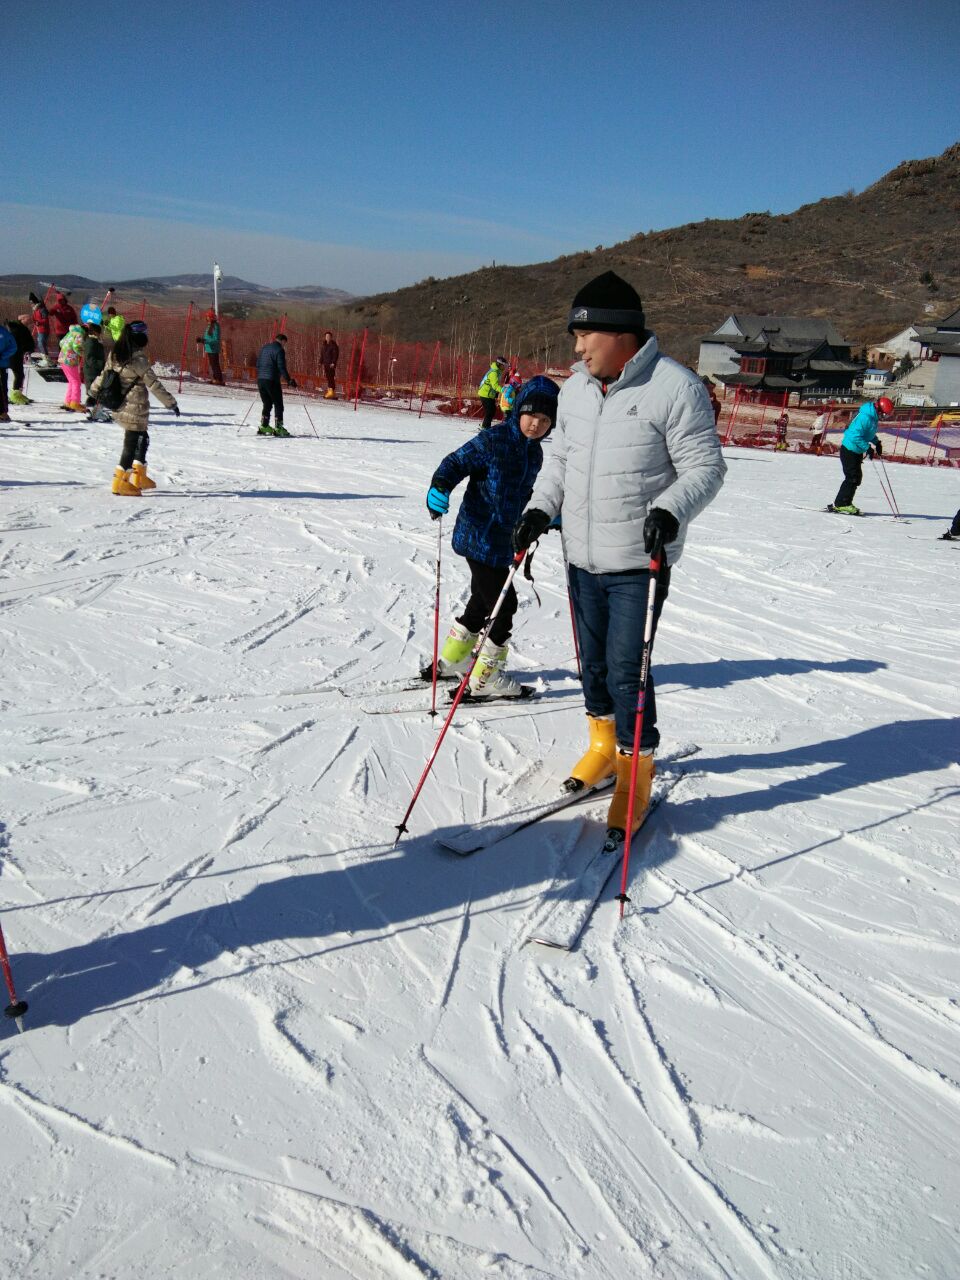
(129, 403)
(635, 459)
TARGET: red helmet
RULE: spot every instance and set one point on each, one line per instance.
(211, 314)
(885, 405)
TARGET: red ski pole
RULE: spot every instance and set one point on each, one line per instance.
(16, 1008)
(436, 622)
(638, 722)
(481, 639)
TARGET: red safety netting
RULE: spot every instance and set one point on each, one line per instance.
(912, 435)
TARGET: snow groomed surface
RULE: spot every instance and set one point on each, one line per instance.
(262, 1037)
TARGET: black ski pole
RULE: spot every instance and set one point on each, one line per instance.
(481, 640)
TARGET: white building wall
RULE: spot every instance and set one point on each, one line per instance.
(716, 357)
(946, 386)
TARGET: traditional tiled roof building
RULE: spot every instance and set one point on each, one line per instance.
(772, 357)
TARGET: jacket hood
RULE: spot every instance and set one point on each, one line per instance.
(537, 385)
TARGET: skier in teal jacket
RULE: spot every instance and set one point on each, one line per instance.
(859, 438)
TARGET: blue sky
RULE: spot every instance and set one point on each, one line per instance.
(367, 145)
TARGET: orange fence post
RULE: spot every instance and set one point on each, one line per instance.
(183, 349)
(413, 380)
(356, 396)
(436, 352)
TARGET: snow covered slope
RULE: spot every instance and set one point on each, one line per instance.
(263, 1042)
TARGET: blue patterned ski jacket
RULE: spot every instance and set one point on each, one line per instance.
(502, 465)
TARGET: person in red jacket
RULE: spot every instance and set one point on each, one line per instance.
(41, 324)
(62, 315)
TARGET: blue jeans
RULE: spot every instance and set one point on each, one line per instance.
(610, 610)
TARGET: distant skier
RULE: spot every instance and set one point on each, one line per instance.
(637, 457)
(271, 367)
(8, 350)
(114, 323)
(859, 439)
(489, 390)
(714, 401)
(508, 396)
(329, 355)
(502, 465)
(782, 426)
(62, 315)
(211, 346)
(94, 356)
(24, 341)
(129, 361)
(41, 325)
(71, 363)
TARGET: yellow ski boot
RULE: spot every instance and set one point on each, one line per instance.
(140, 477)
(122, 486)
(599, 760)
(646, 772)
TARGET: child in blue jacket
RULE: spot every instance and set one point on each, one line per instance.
(502, 463)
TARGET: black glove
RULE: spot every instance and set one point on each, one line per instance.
(659, 528)
(176, 411)
(878, 448)
(531, 525)
(292, 384)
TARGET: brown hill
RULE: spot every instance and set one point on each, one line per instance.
(870, 262)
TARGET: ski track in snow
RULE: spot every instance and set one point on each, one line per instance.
(262, 1034)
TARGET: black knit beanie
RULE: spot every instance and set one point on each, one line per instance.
(539, 402)
(609, 305)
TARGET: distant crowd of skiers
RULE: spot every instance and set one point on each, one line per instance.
(78, 341)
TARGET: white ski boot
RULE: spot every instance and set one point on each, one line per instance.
(489, 680)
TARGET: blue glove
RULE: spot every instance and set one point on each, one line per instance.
(438, 503)
(555, 523)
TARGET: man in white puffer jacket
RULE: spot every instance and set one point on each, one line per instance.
(636, 457)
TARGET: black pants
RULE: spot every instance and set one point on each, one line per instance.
(330, 373)
(486, 583)
(271, 394)
(135, 445)
(489, 409)
(16, 364)
(852, 464)
(213, 362)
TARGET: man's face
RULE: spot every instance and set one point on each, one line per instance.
(605, 354)
(327, 336)
(534, 425)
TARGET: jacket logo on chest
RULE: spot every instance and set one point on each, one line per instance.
(632, 411)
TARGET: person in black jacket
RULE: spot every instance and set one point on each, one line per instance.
(329, 355)
(94, 357)
(24, 341)
(271, 367)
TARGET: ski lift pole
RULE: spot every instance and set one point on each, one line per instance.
(481, 640)
(655, 561)
(436, 623)
(16, 1008)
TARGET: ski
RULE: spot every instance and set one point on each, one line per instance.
(475, 836)
(586, 872)
(545, 800)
